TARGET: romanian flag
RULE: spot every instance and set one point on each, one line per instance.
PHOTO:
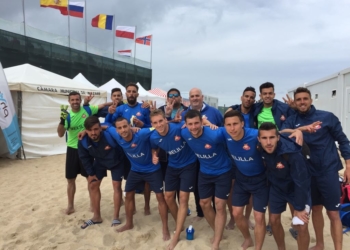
(145, 40)
(61, 5)
(102, 21)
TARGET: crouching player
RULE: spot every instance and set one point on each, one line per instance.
(288, 173)
(98, 153)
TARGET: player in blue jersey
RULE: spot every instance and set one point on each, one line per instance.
(138, 117)
(289, 177)
(250, 177)
(99, 152)
(137, 148)
(181, 171)
(215, 175)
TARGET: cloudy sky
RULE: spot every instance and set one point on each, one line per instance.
(220, 46)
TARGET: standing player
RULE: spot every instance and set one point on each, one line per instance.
(98, 153)
(138, 149)
(74, 125)
(250, 177)
(325, 162)
(181, 171)
(214, 178)
(288, 173)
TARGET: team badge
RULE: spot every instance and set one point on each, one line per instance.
(138, 114)
(177, 138)
(317, 127)
(207, 146)
(133, 145)
(282, 118)
(83, 116)
(107, 147)
(246, 147)
(280, 165)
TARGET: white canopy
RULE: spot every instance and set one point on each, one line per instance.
(81, 78)
(111, 84)
(145, 95)
(37, 95)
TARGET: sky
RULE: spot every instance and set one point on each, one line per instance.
(219, 46)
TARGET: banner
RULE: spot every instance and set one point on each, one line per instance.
(8, 117)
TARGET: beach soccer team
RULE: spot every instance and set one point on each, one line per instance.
(260, 156)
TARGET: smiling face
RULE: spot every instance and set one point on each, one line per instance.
(175, 97)
(268, 140)
(196, 98)
(195, 127)
(124, 129)
(74, 101)
(267, 95)
(303, 102)
(160, 124)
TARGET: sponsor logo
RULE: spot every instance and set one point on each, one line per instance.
(317, 127)
(126, 110)
(206, 156)
(228, 194)
(133, 145)
(189, 139)
(138, 114)
(264, 208)
(177, 138)
(282, 118)
(190, 187)
(83, 116)
(160, 140)
(89, 146)
(297, 125)
(136, 155)
(161, 188)
(246, 147)
(337, 205)
(229, 139)
(279, 165)
(207, 146)
(122, 177)
(107, 147)
(238, 158)
(177, 150)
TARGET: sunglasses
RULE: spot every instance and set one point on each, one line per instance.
(173, 95)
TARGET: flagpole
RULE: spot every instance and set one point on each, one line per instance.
(151, 49)
(85, 15)
(24, 18)
(68, 26)
(114, 34)
(135, 47)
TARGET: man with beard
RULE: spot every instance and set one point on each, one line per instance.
(98, 153)
(138, 116)
(325, 162)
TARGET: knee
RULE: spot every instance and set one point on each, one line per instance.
(117, 186)
(302, 229)
(205, 203)
(259, 218)
(237, 213)
(275, 219)
(169, 197)
(333, 215)
(71, 181)
(220, 207)
(94, 186)
(160, 198)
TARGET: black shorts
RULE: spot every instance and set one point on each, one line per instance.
(215, 185)
(117, 172)
(183, 179)
(136, 180)
(73, 164)
(127, 166)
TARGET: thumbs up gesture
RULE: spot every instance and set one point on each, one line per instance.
(155, 158)
(64, 113)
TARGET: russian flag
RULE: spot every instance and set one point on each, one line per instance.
(125, 32)
(76, 9)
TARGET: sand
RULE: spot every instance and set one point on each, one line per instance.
(33, 193)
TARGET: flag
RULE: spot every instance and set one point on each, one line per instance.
(145, 40)
(102, 21)
(125, 32)
(125, 52)
(8, 117)
(76, 9)
(61, 5)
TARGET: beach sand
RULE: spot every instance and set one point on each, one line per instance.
(33, 194)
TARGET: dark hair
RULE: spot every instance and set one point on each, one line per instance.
(249, 89)
(116, 90)
(119, 119)
(302, 90)
(266, 85)
(233, 113)
(157, 112)
(91, 121)
(133, 85)
(192, 114)
(265, 126)
(74, 93)
(173, 89)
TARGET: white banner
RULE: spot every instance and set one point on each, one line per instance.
(8, 117)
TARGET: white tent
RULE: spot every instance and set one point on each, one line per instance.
(111, 84)
(37, 95)
(145, 95)
(81, 78)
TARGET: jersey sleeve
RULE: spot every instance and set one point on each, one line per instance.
(338, 135)
(153, 142)
(220, 119)
(85, 158)
(112, 131)
(147, 123)
(145, 133)
(288, 123)
(94, 109)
